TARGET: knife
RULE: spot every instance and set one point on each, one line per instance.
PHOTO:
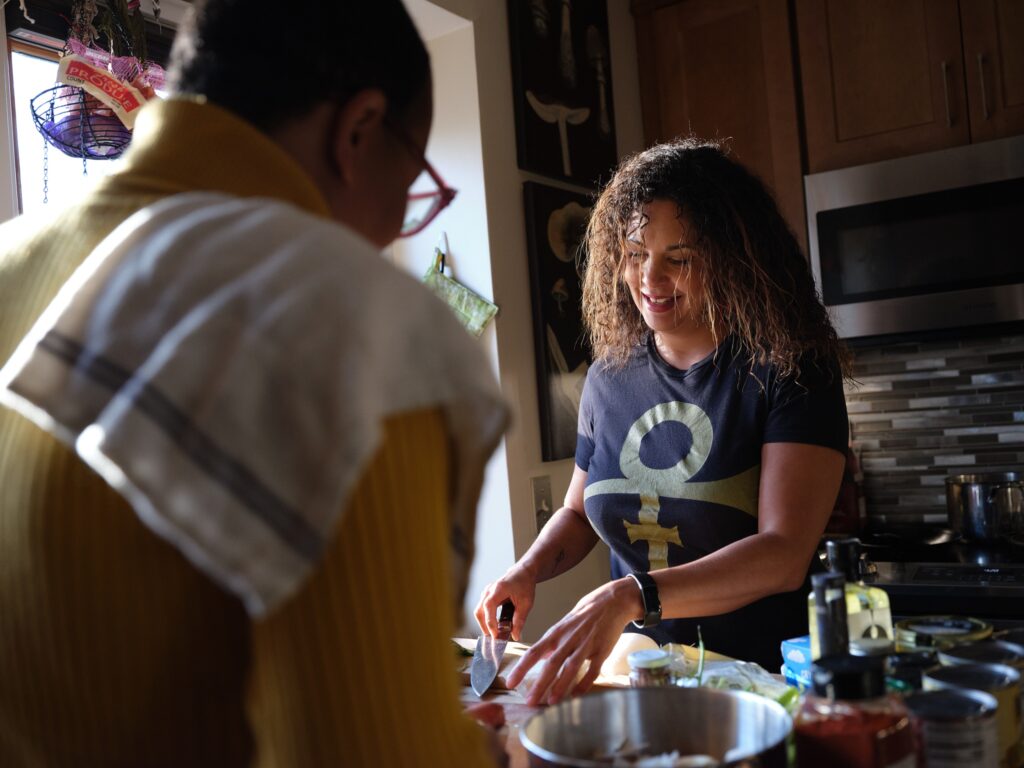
(489, 650)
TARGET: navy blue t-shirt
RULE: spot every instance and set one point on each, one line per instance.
(673, 464)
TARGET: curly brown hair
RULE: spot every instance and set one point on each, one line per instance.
(757, 283)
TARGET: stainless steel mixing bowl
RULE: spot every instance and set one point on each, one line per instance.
(733, 728)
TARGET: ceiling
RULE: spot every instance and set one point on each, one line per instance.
(433, 21)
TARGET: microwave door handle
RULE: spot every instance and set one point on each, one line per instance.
(984, 96)
(945, 92)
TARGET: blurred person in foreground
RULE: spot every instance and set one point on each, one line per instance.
(712, 428)
(242, 453)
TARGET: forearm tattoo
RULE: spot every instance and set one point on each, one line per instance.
(558, 559)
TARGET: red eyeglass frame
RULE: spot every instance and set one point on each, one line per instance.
(444, 193)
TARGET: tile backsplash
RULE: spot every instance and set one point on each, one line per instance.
(921, 411)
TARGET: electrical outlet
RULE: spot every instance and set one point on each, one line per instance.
(543, 506)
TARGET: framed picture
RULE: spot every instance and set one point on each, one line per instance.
(556, 222)
(562, 88)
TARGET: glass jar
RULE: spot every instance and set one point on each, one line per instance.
(848, 720)
(650, 667)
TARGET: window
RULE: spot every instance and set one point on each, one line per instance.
(44, 172)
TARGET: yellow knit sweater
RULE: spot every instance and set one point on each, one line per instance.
(115, 651)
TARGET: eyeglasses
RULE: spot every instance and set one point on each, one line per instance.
(422, 207)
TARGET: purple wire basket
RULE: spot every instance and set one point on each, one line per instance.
(78, 124)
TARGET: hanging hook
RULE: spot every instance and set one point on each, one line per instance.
(443, 251)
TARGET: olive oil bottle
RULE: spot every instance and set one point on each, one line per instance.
(868, 616)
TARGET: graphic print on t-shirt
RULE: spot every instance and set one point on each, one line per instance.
(652, 484)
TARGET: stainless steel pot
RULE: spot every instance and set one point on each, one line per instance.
(733, 728)
(986, 507)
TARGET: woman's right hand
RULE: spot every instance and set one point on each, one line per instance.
(517, 585)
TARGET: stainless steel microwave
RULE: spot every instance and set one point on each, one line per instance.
(926, 242)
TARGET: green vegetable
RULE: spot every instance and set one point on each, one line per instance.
(460, 651)
(789, 699)
(700, 658)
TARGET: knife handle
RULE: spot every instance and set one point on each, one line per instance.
(505, 612)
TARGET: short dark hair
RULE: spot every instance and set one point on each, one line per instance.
(269, 62)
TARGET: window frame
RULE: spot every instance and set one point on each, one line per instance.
(40, 41)
(10, 188)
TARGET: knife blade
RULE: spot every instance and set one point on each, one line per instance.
(489, 651)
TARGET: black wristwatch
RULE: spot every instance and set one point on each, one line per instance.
(649, 596)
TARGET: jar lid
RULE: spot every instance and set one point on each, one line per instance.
(849, 677)
(979, 677)
(1015, 636)
(649, 658)
(939, 631)
(951, 705)
(984, 652)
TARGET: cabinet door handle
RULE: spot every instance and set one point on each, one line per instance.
(945, 92)
(984, 96)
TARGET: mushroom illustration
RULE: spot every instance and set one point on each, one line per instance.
(561, 115)
(560, 294)
(566, 227)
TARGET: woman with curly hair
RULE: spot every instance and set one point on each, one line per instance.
(712, 429)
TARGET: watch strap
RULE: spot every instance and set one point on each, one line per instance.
(649, 596)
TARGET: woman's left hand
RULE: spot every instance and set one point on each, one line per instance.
(586, 634)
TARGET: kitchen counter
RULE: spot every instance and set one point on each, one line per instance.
(517, 712)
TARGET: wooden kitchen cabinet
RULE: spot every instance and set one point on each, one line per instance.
(993, 46)
(723, 69)
(888, 78)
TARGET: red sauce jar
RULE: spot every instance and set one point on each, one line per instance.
(848, 720)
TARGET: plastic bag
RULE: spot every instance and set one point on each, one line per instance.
(473, 310)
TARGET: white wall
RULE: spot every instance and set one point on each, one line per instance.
(489, 254)
(508, 240)
(456, 151)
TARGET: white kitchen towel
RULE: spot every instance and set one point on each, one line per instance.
(226, 364)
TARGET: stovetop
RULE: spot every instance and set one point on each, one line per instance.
(954, 551)
(949, 576)
(958, 576)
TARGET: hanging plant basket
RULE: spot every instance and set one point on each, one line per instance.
(79, 124)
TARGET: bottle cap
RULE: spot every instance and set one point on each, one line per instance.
(849, 677)
(649, 658)
(844, 557)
